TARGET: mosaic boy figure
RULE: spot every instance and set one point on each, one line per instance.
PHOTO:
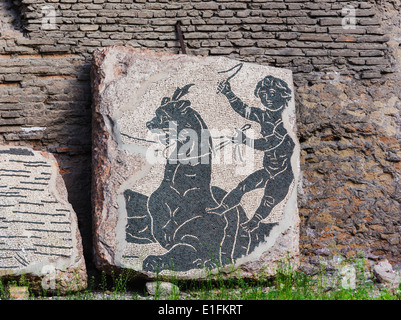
(276, 175)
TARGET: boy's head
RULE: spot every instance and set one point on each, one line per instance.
(274, 93)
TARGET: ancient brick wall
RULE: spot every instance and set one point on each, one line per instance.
(347, 81)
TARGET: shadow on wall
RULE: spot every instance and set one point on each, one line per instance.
(73, 153)
(10, 19)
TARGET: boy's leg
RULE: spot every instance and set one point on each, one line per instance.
(254, 181)
(275, 191)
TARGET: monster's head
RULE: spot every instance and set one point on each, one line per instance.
(170, 109)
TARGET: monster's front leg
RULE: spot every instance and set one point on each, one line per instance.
(181, 257)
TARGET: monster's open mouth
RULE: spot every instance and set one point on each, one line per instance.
(163, 138)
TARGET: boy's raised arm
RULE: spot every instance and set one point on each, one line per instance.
(237, 104)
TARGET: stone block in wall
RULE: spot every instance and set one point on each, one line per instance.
(195, 164)
(39, 234)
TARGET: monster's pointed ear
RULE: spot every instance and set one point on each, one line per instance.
(180, 92)
(165, 100)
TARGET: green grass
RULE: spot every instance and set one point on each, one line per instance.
(288, 284)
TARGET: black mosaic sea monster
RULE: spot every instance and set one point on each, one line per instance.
(175, 215)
